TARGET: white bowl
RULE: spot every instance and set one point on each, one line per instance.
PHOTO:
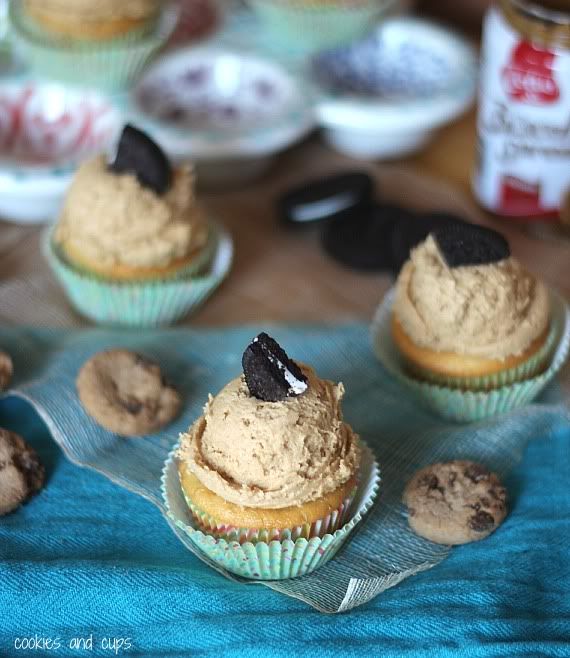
(217, 107)
(46, 130)
(384, 96)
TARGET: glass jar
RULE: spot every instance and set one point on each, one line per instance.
(523, 167)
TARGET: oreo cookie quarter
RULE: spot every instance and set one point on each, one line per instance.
(139, 155)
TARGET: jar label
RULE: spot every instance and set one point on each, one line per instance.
(523, 123)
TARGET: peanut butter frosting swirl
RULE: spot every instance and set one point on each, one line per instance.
(113, 220)
(272, 454)
(489, 311)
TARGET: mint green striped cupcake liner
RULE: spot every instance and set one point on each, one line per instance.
(109, 64)
(140, 304)
(314, 26)
(533, 366)
(461, 405)
(327, 525)
(274, 559)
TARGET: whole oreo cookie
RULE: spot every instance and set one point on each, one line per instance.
(325, 198)
(363, 239)
(269, 373)
(414, 229)
(470, 244)
(139, 155)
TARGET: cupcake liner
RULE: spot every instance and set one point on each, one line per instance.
(327, 525)
(526, 370)
(140, 304)
(109, 64)
(469, 406)
(314, 26)
(269, 560)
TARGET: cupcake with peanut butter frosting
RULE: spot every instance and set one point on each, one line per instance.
(271, 458)
(132, 245)
(90, 19)
(469, 315)
(116, 227)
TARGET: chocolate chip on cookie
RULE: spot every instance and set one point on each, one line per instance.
(269, 373)
(21, 472)
(455, 502)
(6, 370)
(126, 393)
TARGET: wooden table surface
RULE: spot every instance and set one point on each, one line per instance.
(282, 275)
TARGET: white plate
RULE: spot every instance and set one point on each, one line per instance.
(385, 95)
(216, 105)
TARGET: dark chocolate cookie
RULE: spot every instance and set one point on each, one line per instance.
(363, 239)
(126, 393)
(470, 244)
(415, 228)
(21, 472)
(269, 373)
(139, 155)
(325, 198)
(455, 502)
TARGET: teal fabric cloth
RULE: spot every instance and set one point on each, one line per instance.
(89, 559)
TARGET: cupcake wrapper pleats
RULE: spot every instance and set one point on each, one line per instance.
(506, 392)
(329, 524)
(108, 64)
(533, 366)
(271, 559)
(139, 304)
(314, 26)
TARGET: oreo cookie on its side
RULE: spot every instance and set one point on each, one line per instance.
(325, 198)
(139, 155)
(363, 240)
(269, 373)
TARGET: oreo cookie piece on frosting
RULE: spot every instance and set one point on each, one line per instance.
(464, 245)
(139, 155)
(269, 373)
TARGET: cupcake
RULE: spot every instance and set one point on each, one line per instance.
(313, 25)
(133, 219)
(129, 231)
(104, 44)
(271, 458)
(468, 315)
(89, 20)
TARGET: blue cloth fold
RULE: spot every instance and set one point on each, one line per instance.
(86, 557)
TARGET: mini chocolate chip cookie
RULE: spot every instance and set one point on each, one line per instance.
(126, 393)
(6, 370)
(21, 472)
(455, 503)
